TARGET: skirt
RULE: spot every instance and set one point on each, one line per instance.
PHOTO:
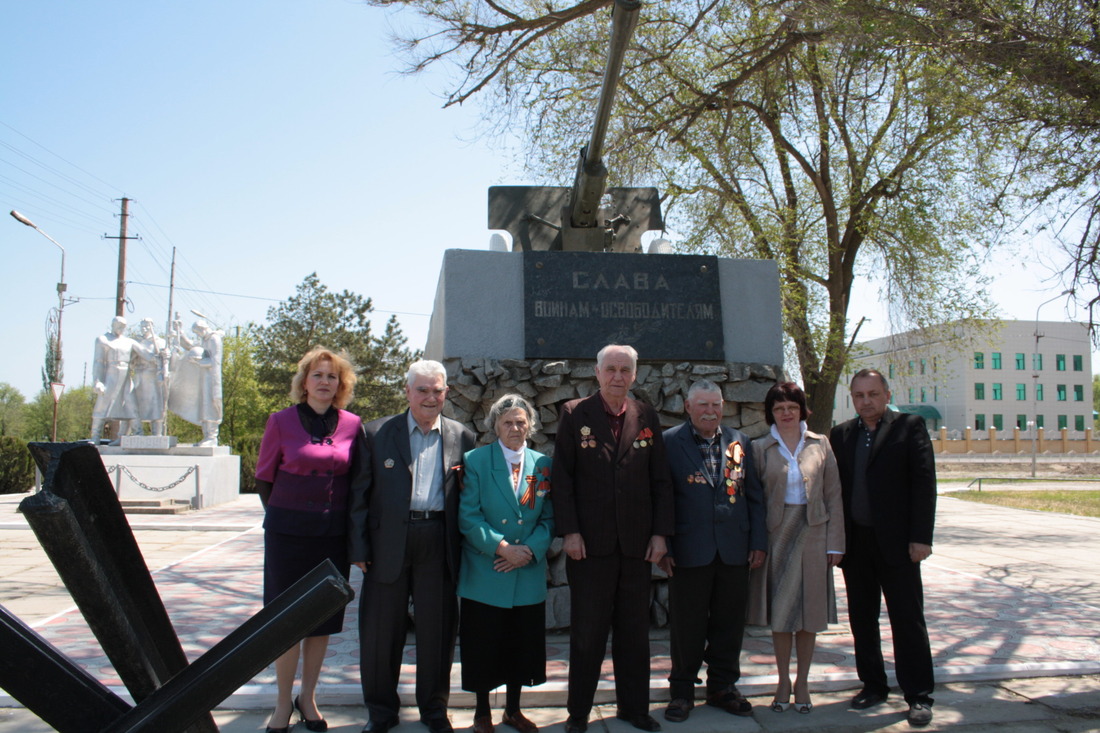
(288, 557)
(793, 590)
(502, 645)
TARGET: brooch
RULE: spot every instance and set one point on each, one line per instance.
(388, 463)
(644, 439)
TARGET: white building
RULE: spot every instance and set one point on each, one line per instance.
(984, 374)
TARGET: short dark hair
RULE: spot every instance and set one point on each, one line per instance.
(869, 373)
(785, 392)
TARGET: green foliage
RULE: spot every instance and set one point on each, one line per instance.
(315, 316)
(1096, 399)
(74, 415)
(12, 405)
(16, 466)
(245, 407)
(248, 448)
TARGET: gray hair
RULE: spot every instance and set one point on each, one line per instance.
(630, 351)
(703, 385)
(425, 368)
(511, 402)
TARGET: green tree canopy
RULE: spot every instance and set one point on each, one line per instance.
(316, 316)
(12, 405)
(839, 157)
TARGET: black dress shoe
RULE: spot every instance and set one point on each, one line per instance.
(868, 699)
(438, 724)
(641, 721)
(678, 710)
(379, 726)
(575, 725)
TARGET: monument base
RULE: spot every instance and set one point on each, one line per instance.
(140, 443)
(204, 476)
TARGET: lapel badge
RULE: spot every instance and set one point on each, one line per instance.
(388, 463)
(587, 441)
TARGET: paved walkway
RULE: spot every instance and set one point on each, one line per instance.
(1011, 596)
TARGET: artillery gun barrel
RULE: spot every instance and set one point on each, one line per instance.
(588, 187)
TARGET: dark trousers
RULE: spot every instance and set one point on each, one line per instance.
(383, 623)
(868, 579)
(706, 623)
(609, 593)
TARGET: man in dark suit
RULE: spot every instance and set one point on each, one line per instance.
(888, 476)
(613, 504)
(720, 534)
(404, 537)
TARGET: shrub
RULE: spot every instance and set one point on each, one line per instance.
(16, 466)
(248, 448)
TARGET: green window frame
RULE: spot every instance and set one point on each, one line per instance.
(1060, 362)
(1078, 363)
(996, 360)
(1021, 392)
(997, 390)
(1061, 390)
(979, 390)
(979, 360)
(1063, 422)
(979, 421)
(1021, 362)
(1079, 423)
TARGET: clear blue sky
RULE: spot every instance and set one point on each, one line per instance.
(265, 140)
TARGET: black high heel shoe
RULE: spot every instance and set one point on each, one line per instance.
(313, 725)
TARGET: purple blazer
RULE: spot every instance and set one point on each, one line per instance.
(309, 493)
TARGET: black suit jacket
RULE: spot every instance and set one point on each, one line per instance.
(379, 505)
(707, 524)
(615, 494)
(901, 477)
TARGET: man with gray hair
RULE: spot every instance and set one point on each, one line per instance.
(404, 536)
(613, 504)
(720, 534)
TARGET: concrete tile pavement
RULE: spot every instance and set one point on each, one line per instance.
(1010, 595)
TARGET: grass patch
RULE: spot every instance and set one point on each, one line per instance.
(1081, 503)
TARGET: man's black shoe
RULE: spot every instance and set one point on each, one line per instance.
(575, 725)
(868, 699)
(379, 726)
(920, 714)
(642, 721)
(678, 710)
(438, 724)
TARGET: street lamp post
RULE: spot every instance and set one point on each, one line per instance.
(1035, 382)
(55, 387)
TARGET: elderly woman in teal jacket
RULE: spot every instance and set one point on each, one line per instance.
(507, 525)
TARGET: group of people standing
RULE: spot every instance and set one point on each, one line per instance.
(747, 531)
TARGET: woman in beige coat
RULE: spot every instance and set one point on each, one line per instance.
(793, 591)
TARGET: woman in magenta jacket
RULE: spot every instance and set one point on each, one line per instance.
(307, 460)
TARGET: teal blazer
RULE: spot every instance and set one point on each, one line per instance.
(490, 512)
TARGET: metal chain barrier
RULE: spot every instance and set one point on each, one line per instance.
(158, 489)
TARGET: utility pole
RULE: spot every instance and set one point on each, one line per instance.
(120, 291)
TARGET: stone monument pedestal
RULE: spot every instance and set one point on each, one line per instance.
(203, 476)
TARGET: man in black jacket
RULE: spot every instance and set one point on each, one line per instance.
(888, 475)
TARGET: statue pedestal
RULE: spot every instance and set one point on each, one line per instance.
(204, 476)
(140, 443)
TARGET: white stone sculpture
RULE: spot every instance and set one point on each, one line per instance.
(196, 387)
(149, 366)
(111, 379)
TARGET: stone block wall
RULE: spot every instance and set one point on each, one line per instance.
(477, 383)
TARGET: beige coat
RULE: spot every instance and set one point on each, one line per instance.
(820, 476)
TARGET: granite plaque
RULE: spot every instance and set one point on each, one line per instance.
(665, 306)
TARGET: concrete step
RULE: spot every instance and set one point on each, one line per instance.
(155, 506)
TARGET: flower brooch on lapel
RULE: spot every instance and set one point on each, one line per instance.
(538, 485)
(644, 439)
(734, 472)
